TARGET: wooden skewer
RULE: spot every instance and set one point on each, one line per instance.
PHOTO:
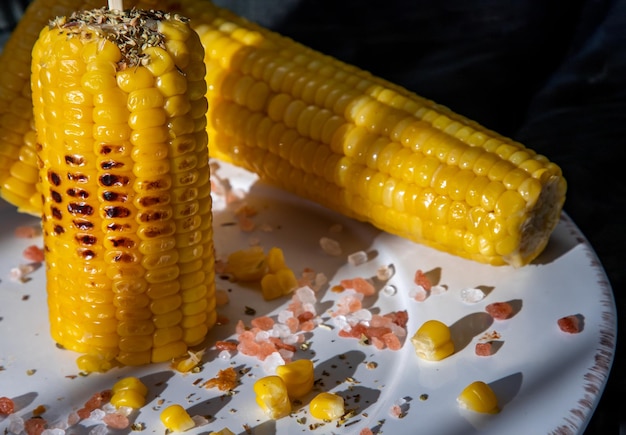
(116, 5)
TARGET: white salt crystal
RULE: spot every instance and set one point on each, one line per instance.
(272, 361)
(389, 290)
(97, 414)
(306, 295)
(262, 336)
(438, 289)
(53, 431)
(330, 246)
(472, 295)
(200, 420)
(357, 258)
(362, 315)
(280, 330)
(283, 315)
(226, 355)
(341, 322)
(16, 423)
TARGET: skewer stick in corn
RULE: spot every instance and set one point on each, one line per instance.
(120, 114)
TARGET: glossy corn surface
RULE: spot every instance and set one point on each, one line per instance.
(176, 418)
(18, 140)
(432, 341)
(327, 406)
(298, 377)
(353, 142)
(125, 182)
(272, 396)
(479, 397)
(369, 149)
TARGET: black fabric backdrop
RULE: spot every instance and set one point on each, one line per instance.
(549, 73)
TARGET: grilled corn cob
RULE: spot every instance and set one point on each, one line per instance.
(18, 141)
(125, 180)
(365, 147)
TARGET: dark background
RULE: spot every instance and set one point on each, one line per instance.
(549, 73)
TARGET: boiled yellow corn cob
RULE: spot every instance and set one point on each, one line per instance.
(372, 150)
(125, 180)
(367, 148)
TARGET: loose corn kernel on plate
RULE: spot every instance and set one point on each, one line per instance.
(545, 380)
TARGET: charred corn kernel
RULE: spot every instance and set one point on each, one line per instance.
(478, 397)
(298, 377)
(115, 221)
(432, 341)
(327, 406)
(272, 397)
(176, 418)
(247, 264)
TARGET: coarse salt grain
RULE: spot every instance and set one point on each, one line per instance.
(389, 290)
(97, 415)
(357, 258)
(225, 355)
(272, 361)
(200, 420)
(306, 295)
(472, 295)
(53, 431)
(16, 423)
(330, 246)
(438, 289)
(385, 272)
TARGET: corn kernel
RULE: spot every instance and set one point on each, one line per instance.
(327, 406)
(247, 264)
(176, 418)
(298, 377)
(432, 341)
(130, 383)
(93, 364)
(224, 431)
(272, 397)
(129, 397)
(479, 397)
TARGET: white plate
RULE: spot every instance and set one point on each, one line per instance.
(547, 381)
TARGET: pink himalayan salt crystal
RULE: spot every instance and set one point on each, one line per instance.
(115, 420)
(330, 246)
(293, 323)
(422, 280)
(395, 411)
(360, 285)
(419, 293)
(392, 341)
(349, 303)
(26, 232)
(366, 431)
(264, 323)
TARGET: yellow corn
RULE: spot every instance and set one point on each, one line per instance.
(479, 397)
(125, 181)
(432, 341)
(298, 377)
(272, 397)
(18, 141)
(356, 143)
(248, 264)
(176, 418)
(129, 392)
(327, 406)
(224, 431)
